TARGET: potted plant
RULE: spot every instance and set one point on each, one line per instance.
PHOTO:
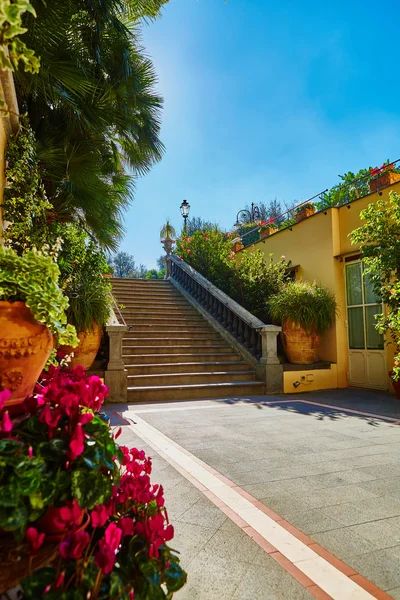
(267, 228)
(63, 458)
(89, 309)
(383, 176)
(32, 317)
(305, 311)
(304, 211)
(109, 272)
(167, 236)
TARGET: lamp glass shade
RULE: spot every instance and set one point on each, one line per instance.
(185, 207)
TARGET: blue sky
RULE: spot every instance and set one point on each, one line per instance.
(263, 100)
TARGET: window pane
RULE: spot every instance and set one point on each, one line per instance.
(374, 338)
(356, 328)
(370, 296)
(354, 284)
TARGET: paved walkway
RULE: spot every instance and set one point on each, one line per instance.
(279, 497)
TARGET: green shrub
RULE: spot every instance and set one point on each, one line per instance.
(249, 232)
(257, 279)
(309, 305)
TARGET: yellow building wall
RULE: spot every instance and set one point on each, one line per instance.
(310, 381)
(318, 245)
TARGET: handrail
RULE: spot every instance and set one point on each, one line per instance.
(226, 300)
(252, 334)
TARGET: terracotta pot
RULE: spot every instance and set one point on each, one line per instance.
(25, 346)
(106, 275)
(237, 247)
(267, 231)
(55, 531)
(304, 213)
(384, 180)
(396, 385)
(300, 347)
(85, 352)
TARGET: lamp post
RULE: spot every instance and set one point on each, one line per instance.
(253, 214)
(185, 208)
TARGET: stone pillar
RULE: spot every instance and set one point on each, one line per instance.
(115, 377)
(270, 360)
(167, 243)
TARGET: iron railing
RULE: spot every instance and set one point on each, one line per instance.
(241, 324)
(339, 195)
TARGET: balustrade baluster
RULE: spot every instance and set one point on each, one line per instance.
(235, 325)
(247, 335)
(229, 321)
(253, 341)
(259, 347)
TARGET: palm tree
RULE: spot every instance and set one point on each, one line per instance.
(92, 106)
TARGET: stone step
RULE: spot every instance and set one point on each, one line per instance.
(189, 378)
(172, 334)
(138, 320)
(162, 327)
(160, 342)
(151, 304)
(192, 391)
(182, 312)
(189, 367)
(129, 350)
(136, 281)
(139, 292)
(186, 357)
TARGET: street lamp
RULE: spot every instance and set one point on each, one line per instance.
(185, 208)
(253, 214)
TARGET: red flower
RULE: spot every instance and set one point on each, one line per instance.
(112, 536)
(76, 446)
(74, 545)
(34, 538)
(99, 515)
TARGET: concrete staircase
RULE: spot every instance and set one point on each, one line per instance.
(171, 352)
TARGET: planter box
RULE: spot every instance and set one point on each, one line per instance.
(383, 181)
(267, 231)
(237, 247)
(304, 213)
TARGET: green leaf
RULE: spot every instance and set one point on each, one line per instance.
(13, 518)
(90, 488)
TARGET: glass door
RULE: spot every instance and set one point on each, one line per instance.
(367, 366)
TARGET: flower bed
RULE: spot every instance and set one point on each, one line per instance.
(64, 477)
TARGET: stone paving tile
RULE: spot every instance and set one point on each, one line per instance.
(268, 581)
(382, 533)
(286, 505)
(381, 567)
(344, 542)
(382, 487)
(395, 593)
(213, 577)
(189, 540)
(314, 521)
(269, 488)
(337, 495)
(325, 480)
(233, 544)
(368, 510)
(203, 512)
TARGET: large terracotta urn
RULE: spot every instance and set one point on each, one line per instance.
(301, 348)
(88, 347)
(25, 346)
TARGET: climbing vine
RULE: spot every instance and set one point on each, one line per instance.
(12, 49)
(25, 203)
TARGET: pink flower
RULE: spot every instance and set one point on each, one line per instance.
(105, 559)
(112, 536)
(74, 545)
(189, 251)
(30, 452)
(229, 234)
(116, 436)
(34, 538)
(6, 424)
(59, 580)
(99, 515)
(76, 446)
(126, 525)
(4, 396)
(132, 595)
(70, 516)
